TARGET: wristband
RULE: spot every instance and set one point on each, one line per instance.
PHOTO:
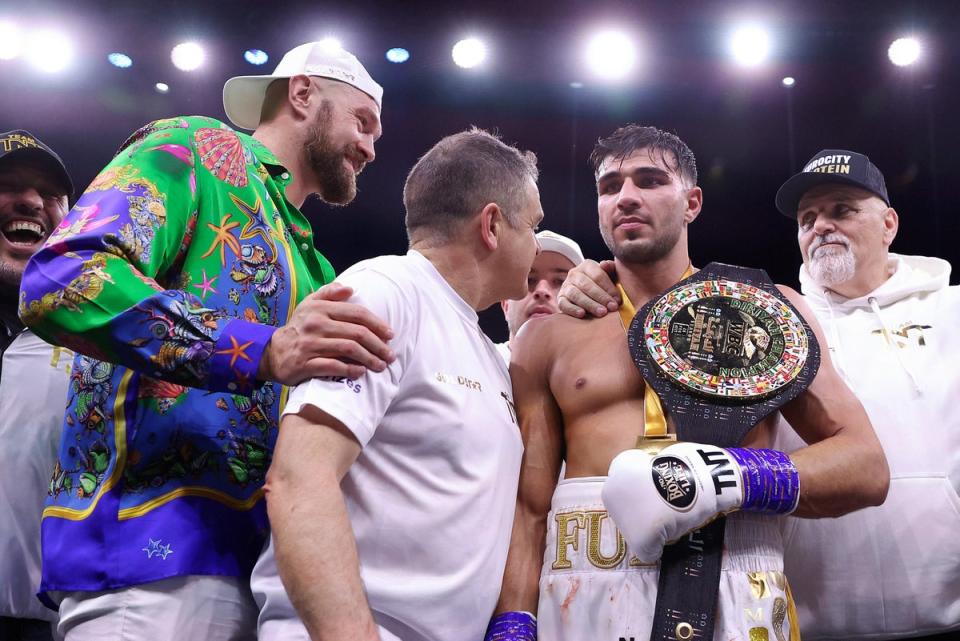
(771, 482)
(512, 626)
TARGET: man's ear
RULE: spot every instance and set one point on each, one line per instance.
(891, 224)
(694, 204)
(300, 94)
(492, 224)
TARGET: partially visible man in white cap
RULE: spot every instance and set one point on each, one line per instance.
(558, 255)
(186, 279)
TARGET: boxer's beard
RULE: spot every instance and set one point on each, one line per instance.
(644, 252)
(834, 265)
(338, 185)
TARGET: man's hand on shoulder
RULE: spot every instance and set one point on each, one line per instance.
(327, 336)
(589, 289)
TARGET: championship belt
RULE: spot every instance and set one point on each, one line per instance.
(723, 349)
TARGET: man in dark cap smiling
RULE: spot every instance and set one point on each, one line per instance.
(34, 188)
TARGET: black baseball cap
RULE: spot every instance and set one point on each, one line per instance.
(831, 166)
(23, 144)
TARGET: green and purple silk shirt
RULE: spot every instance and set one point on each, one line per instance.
(168, 278)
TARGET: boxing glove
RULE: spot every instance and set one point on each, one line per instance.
(655, 500)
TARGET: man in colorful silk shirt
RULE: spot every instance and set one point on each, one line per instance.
(184, 277)
(34, 186)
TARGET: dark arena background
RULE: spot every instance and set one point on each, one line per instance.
(749, 127)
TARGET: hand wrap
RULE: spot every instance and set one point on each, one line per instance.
(512, 626)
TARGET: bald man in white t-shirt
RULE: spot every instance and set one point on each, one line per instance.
(391, 496)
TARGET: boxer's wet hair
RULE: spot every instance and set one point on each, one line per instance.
(461, 175)
(631, 138)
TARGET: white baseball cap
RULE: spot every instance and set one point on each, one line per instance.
(566, 247)
(243, 95)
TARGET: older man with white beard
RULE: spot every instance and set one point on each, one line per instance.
(892, 571)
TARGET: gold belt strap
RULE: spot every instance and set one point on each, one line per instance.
(654, 422)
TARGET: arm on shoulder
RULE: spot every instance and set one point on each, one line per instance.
(843, 468)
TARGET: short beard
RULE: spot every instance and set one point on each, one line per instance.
(10, 278)
(832, 268)
(338, 186)
(644, 253)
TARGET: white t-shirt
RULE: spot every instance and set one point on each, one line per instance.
(431, 497)
(33, 396)
(504, 350)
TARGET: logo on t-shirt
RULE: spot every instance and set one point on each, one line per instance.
(352, 384)
(463, 381)
(510, 407)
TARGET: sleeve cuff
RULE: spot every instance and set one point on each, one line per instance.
(236, 356)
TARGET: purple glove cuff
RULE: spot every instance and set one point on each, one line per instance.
(771, 482)
(512, 626)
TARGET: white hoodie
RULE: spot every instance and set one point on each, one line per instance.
(892, 571)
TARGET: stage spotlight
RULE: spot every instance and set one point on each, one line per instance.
(576, 85)
(255, 56)
(750, 45)
(187, 56)
(121, 60)
(11, 41)
(331, 44)
(904, 51)
(49, 51)
(398, 55)
(611, 55)
(789, 81)
(162, 87)
(469, 53)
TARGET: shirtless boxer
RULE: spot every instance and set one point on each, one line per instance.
(580, 398)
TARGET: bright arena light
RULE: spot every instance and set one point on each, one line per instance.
(469, 53)
(162, 87)
(750, 45)
(331, 44)
(789, 81)
(49, 51)
(398, 55)
(187, 56)
(11, 41)
(255, 56)
(121, 60)
(904, 51)
(611, 55)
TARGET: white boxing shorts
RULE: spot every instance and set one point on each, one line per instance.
(593, 589)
